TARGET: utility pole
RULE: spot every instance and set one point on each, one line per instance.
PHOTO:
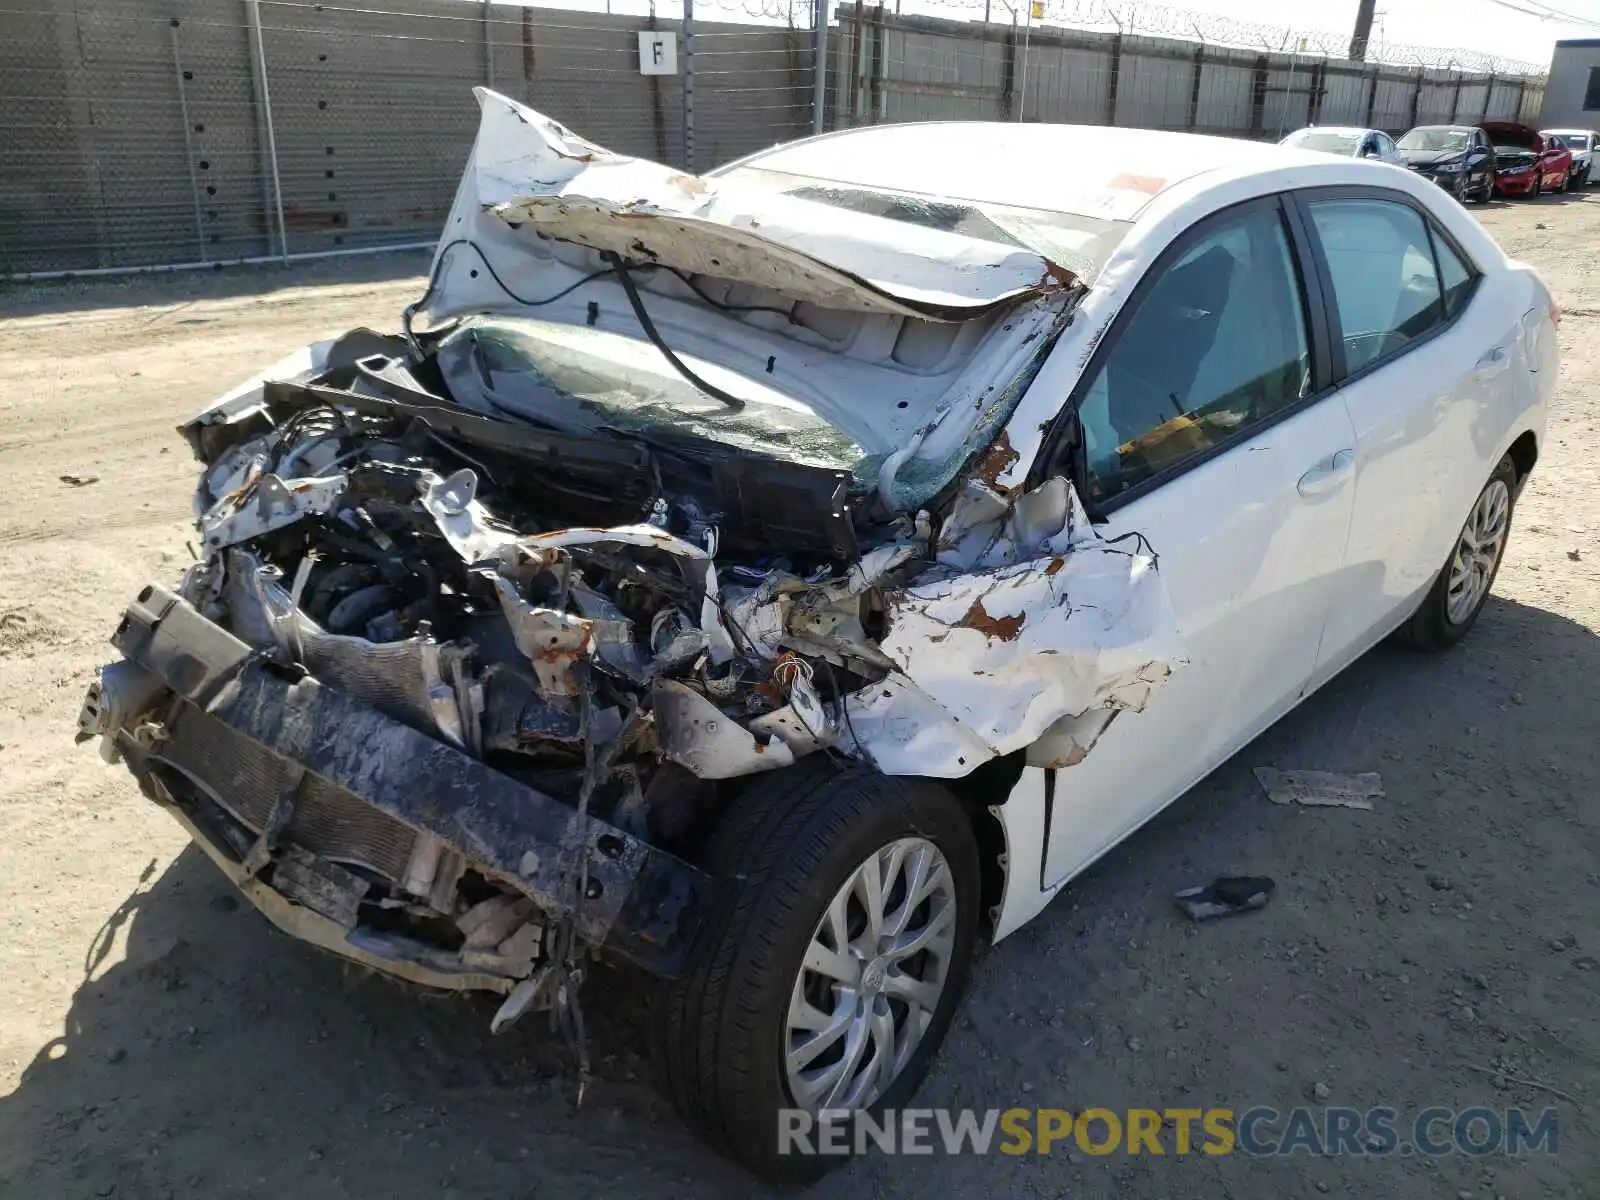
(1363, 30)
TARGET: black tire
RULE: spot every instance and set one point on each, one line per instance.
(1430, 627)
(1538, 187)
(778, 856)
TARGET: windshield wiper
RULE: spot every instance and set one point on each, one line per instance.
(650, 332)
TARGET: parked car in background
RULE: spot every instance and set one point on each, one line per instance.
(1526, 162)
(1348, 141)
(1459, 158)
(659, 592)
(1584, 144)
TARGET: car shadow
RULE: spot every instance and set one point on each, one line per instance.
(206, 1053)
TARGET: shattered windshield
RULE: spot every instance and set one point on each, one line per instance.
(585, 382)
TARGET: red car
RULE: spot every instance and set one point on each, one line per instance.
(1527, 163)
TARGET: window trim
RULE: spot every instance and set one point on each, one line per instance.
(1313, 302)
(1301, 199)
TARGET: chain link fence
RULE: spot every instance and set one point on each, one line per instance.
(138, 134)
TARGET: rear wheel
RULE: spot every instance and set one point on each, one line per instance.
(1452, 605)
(827, 972)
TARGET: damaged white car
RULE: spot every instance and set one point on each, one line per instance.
(783, 579)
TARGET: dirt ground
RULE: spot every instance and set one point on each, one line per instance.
(157, 1039)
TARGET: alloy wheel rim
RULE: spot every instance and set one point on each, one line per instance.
(1477, 552)
(874, 972)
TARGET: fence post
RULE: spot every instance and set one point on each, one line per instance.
(858, 92)
(188, 142)
(880, 91)
(1416, 94)
(1319, 89)
(1008, 72)
(488, 45)
(1488, 96)
(1455, 99)
(1372, 94)
(1258, 95)
(688, 85)
(258, 67)
(819, 63)
(1194, 85)
(658, 116)
(1114, 78)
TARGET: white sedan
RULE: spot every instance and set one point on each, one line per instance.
(785, 579)
(1347, 141)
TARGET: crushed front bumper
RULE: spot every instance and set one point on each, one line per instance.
(265, 766)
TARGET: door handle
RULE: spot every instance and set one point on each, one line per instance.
(1328, 474)
(1492, 363)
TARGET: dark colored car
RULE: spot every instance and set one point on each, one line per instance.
(1527, 162)
(1459, 158)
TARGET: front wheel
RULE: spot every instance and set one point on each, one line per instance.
(826, 973)
(1452, 605)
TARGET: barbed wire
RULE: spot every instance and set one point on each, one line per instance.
(1130, 17)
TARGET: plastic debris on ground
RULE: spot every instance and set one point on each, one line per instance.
(1321, 789)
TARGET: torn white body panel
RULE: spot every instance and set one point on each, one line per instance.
(996, 659)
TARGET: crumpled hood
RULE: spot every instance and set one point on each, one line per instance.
(528, 175)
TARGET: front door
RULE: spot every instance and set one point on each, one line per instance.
(1206, 433)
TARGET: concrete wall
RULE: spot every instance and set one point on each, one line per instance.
(1569, 84)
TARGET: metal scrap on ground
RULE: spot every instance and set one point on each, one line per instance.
(1321, 789)
(1226, 897)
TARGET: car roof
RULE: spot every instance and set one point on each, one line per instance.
(1461, 128)
(1092, 170)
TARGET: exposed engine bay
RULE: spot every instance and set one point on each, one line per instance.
(460, 691)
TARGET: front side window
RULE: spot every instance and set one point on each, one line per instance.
(1385, 285)
(1216, 344)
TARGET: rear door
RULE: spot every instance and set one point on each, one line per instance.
(1207, 428)
(1425, 361)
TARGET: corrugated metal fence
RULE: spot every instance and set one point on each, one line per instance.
(138, 133)
(913, 68)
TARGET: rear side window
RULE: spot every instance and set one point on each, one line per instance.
(1456, 277)
(1216, 344)
(1385, 285)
